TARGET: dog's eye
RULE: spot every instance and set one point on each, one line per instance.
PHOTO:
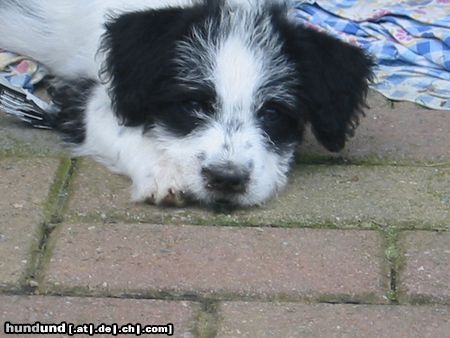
(194, 105)
(269, 115)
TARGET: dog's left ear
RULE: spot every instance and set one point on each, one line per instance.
(333, 79)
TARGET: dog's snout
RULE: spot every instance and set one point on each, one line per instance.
(226, 178)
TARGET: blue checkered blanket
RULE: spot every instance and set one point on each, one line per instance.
(409, 39)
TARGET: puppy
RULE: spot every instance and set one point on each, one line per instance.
(202, 100)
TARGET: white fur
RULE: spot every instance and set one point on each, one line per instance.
(68, 25)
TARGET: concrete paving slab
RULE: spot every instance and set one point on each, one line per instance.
(339, 195)
(395, 132)
(242, 319)
(24, 188)
(16, 138)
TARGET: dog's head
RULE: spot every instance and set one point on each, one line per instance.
(225, 89)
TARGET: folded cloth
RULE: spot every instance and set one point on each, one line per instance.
(409, 40)
(18, 75)
(21, 71)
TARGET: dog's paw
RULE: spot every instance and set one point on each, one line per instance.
(158, 192)
(170, 197)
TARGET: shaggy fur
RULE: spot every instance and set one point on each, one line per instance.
(202, 100)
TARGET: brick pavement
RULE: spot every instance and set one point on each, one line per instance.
(358, 245)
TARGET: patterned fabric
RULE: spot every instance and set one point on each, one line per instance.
(409, 39)
(20, 71)
(18, 75)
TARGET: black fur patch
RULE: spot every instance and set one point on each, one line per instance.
(333, 77)
(71, 97)
(140, 49)
(283, 125)
(177, 108)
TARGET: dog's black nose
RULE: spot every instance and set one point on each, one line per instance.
(228, 178)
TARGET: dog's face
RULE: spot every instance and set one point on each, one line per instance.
(224, 91)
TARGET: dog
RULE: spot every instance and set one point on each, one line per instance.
(194, 100)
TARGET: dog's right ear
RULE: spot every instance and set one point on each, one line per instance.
(139, 48)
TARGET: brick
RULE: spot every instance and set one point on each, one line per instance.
(297, 320)
(294, 263)
(403, 133)
(24, 187)
(17, 138)
(22, 309)
(340, 195)
(426, 274)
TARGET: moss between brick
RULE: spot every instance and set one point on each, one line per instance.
(52, 208)
(424, 299)
(52, 288)
(208, 320)
(54, 205)
(395, 259)
(191, 218)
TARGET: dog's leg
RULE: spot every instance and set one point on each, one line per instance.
(127, 150)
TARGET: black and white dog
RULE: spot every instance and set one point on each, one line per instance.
(192, 99)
